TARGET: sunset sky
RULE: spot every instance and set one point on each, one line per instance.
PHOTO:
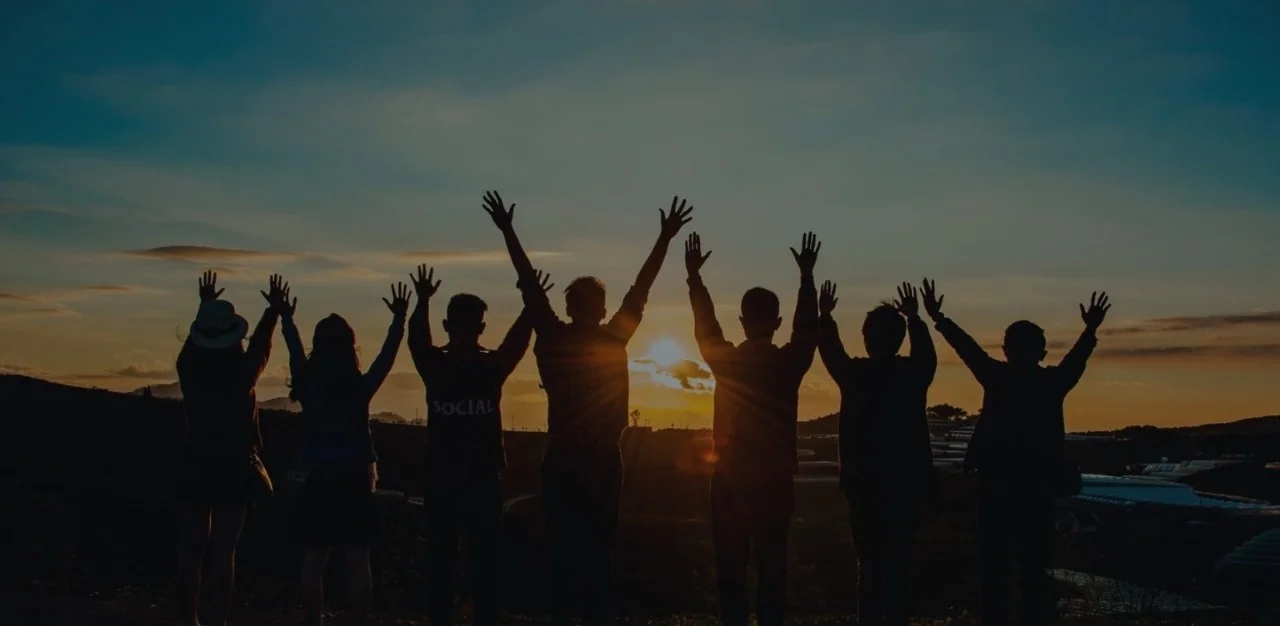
(1021, 153)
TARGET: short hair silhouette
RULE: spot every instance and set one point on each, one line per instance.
(760, 310)
(584, 300)
(884, 330)
(464, 317)
(1024, 342)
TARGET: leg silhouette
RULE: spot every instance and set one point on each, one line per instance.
(313, 564)
(563, 544)
(359, 583)
(484, 529)
(442, 554)
(1034, 539)
(732, 541)
(995, 548)
(193, 529)
(599, 507)
(223, 536)
(776, 502)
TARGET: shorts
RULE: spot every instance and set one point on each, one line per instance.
(338, 508)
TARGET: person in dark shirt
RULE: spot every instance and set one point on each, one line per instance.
(886, 465)
(757, 390)
(1017, 450)
(583, 365)
(464, 454)
(222, 470)
(337, 508)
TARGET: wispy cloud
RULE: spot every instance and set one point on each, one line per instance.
(1202, 322)
(1246, 352)
(111, 288)
(16, 297)
(207, 254)
(478, 256)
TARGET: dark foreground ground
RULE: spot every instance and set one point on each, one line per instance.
(86, 531)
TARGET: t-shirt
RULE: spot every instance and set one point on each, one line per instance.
(1021, 432)
(221, 406)
(464, 397)
(335, 432)
(585, 374)
(757, 386)
(884, 434)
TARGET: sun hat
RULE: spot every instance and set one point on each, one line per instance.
(218, 326)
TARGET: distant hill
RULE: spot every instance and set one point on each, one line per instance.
(173, 391)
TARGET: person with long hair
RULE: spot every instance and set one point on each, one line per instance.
(221, 471)
(338, 508)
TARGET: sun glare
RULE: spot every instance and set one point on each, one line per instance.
(666, 352)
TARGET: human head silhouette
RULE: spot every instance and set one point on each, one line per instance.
(1024, 343)
(760, 313)
(584, 300)
(883, 331)
(334, 364)
(464, 318)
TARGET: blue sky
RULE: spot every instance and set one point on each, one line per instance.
(1023, 153)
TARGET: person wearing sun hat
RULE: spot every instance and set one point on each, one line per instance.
(221, 472)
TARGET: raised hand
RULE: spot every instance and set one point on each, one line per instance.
(908, 302)
(693, 256)
(1099, 304)
(209, 286)
(807, 257)
(543, 281)
(675, 219)
(422, 282)
(827, 299)
(932, 301)
(501, 215)
(399, 302)
(278, 297)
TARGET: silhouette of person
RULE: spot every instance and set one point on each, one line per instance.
(222, 471)
(583, 365)
(886, 463)
(337, 508)
(1017, 450)
(754, 433)
(464, 454)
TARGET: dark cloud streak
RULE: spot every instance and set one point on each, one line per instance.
(1188, 323)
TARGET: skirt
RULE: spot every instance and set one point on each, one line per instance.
(338, 509)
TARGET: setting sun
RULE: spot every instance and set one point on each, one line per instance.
(666, 352)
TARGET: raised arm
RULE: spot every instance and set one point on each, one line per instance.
(542, 315)
(830, 347)
(706, 329)
(425, 354)
(381, 366)
(923, 356)
(804, 326)
(627, 319)
(1072, 366)
(515, 344)
(969, 351)
(259, 350)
